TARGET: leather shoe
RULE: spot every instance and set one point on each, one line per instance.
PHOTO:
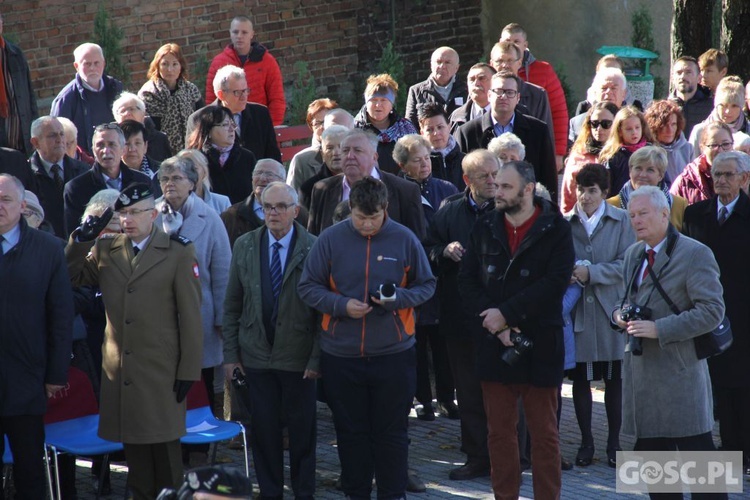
(585, 456)
(565, 464)
(612, 456)
(426, 413)
(470, 470)
(448, 409)
(413, 483)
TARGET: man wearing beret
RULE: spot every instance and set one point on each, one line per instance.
(153, 339)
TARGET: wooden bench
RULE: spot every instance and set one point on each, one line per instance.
(292, 140)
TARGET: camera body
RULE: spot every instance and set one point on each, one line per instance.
(521, 345)
(634, 312)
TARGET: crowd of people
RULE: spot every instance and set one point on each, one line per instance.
(159, 232)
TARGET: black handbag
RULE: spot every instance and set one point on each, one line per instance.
(709, 344)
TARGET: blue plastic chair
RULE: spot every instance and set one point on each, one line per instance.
(77, 434)
(204, 428)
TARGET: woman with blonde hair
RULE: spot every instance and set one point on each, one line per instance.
(729, 101)
(379, 116)
(630, 133)
(170, 98)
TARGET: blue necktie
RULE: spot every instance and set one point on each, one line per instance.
(276, 274)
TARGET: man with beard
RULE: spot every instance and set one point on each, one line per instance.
(694, 99)
(513, 277)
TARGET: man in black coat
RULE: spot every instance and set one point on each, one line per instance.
(446, 243)
(361, 160)
(52, 168)
(723, 224)
(108, 172)
(534, 133)
(12, 162)
(36, 331)
(513, 277)
(22, 108)
(256, 131)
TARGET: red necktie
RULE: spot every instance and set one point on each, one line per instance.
(651, 255)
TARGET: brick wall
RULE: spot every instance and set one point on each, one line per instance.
(340, 40)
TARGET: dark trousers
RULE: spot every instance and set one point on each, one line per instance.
(153, 467)
(540, 408)
(701, 442)
(462, 359)
(429, 338)
(26, 438)
(281, 399)
(370, 398)
(733, 412)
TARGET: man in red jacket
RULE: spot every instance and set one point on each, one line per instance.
(541, 73)
(261, 69)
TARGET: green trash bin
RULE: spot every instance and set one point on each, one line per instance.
(640, 80)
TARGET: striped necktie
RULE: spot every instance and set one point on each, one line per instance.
(276, 274)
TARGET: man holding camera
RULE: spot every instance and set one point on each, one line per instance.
(366, 274)
(666, 388)
(513, 276)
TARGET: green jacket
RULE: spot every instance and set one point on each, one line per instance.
(295, 346)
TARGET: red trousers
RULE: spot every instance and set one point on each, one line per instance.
(540, 406)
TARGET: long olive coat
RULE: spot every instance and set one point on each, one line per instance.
(594, 337)
(153, 334)
(666, 392)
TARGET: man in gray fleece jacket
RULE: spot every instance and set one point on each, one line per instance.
(367, 341)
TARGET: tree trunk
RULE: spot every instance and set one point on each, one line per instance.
(691, 27)
(734, 29)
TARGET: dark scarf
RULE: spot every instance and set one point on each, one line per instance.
(593, 146)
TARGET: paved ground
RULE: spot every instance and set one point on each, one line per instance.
(434, 451)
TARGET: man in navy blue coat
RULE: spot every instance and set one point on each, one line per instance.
(36, 330)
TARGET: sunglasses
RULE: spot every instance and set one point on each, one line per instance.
(605, 124)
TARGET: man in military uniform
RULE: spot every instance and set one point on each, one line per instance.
(153, 339)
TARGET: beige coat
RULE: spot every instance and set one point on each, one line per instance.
(153, 334)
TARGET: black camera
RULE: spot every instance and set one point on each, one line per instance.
(387, 292)
(521, 344)
(238, 379)
(634, 312)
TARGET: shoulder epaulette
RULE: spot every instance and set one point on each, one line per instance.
(181, 239)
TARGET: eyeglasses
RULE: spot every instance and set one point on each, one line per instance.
(227, 124)
(483, 177)
(266, 175)
(509, 93)
(240, 93)
(727, 175)
(107, 126)
(605, 124)
(726, 146)
(281, 208)
(176, 178)
(134, 212)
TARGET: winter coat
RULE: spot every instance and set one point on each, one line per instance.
(729, 243)
(666, 391)
(36, 307)
(425, 93)
(204, 228)
(527, 287)
(694, 183)
(295, 346)
(605, 248)
(153, 335)
(542, 73)
(235, 178)
(263, 78)
(24, 92)
(448, 167)
(696, 109)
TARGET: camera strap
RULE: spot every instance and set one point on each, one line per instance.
(672, 237)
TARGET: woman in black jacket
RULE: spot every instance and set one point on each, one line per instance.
(230, 166)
